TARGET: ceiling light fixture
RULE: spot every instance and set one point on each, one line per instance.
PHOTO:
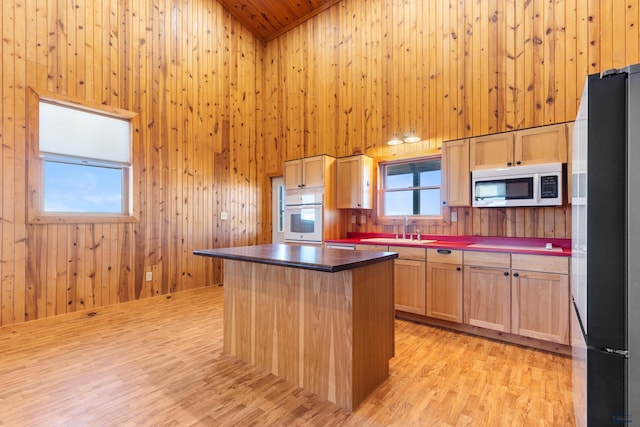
(411, 137)
(395, 140)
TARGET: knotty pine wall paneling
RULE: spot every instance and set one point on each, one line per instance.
(344, 81)
(190, 71)
(220, 113)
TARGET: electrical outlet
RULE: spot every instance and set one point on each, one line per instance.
(363, 219)
(149, 276)
(353, 219)
(454, 216)
(224, 216)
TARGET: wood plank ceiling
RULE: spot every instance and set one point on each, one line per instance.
(267, 19)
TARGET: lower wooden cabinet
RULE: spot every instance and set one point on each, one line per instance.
(487, 290)
(409, 279)
(444, 285)
(540, 300)
(517, 294)
(487, 298)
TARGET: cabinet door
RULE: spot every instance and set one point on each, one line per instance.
(487, 297)
(354, 182)
(313, 172)
(547, 144)
(456, 179)
(409, 283)
(293, 174)
(540, 305)
(444, 291)
(491, 151)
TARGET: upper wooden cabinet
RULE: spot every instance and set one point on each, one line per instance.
(354, 176)
(456, 173)
(491, 151)
(306, 173)
(546, 144)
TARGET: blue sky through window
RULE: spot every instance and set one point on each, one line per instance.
(82, 188)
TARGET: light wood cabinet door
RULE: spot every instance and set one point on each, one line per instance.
(487, 297)
(547, 144)
(354, 175)
(491, 151)
(304, 173)
(444, 291)
(540, 305)
(456, 173)
(313, 171)
(293, 174)
(409, 283)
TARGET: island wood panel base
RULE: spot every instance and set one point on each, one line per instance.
(329, 333)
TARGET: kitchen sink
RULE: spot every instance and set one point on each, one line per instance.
(393, 240)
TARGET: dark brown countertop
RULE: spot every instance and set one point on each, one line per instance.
(307, 257)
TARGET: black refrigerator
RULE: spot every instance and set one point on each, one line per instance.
(605, 262)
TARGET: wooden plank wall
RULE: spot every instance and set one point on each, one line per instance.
(190, 71)
(220, 113)
(346, 80)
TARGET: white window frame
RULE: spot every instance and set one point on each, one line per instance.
(382, 190)
(36, 213)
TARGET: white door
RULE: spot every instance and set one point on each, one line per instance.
(277, 210)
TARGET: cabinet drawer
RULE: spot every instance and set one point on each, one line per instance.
(375, 248)
(543, 263)
(446, 256)
(404, 252)
(487, 259)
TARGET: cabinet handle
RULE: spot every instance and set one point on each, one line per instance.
(458, 269)
(509, 163)
(516, 274)
(444, 251)
(444, 203)
(506, 273)
(518, 162)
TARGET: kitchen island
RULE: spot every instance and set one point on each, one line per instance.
(320, 318)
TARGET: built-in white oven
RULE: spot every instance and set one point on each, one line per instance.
(303, 217)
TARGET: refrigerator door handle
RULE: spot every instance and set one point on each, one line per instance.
(624, 353)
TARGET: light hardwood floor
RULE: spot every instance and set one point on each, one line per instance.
(159, 361)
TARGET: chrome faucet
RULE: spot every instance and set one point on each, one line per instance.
(404, 228)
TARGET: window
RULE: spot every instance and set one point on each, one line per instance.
(411, 187)
(80, 167)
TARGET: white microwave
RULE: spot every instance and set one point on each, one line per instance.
(532, 185)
